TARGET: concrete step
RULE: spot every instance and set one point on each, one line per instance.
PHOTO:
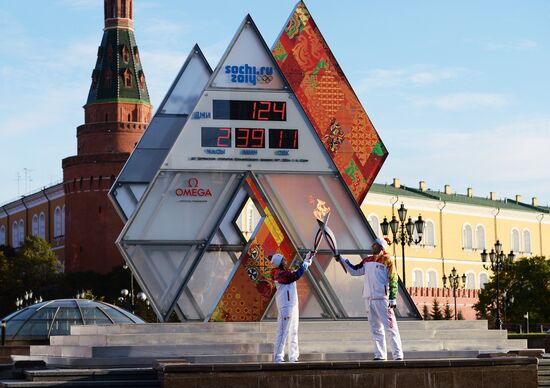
(64, 384)
(266, 327)
(241, 337)
(334, 345)
(149, 350)
(121, 362)
(91, 374)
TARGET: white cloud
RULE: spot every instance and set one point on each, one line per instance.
(462, 101)
(510, 158)
(417, 75)
(517, 45)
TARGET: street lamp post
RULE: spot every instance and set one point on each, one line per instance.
(27, 300)
(498, 263)
(127, 297)
(403, 231)
(454, 283)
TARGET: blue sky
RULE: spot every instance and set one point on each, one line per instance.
(458, 91)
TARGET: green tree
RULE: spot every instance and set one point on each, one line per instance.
(31, 267)
(426, 313)
(528, 281)
(459, 315)
(447, 312)
(436, 310)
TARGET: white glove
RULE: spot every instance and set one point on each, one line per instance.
(392, 303)
(309, 258)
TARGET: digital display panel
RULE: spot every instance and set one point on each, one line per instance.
(249, 110)
(250, 137)
(283, 138)
(215, 137)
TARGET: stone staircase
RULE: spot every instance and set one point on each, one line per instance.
(544, 372)
(142, 344)
(127, 377)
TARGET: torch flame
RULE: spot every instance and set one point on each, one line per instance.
(321, 209)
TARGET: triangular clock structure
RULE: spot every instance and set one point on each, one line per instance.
(247, 142)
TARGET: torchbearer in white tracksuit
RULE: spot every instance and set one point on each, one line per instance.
(287, 306)
(379, 292)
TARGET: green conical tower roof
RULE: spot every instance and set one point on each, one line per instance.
(118, 75)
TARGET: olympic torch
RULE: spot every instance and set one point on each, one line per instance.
(322, 214)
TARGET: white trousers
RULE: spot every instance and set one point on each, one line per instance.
(287, 331)
(382, 321)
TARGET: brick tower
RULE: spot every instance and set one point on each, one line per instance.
(116, 114)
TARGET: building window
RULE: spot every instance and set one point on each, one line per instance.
(467, 237)
(136, 55)
(42, 225)
(527, 242)
(141, 80)
(418, 278)
(483, 280)
(21, 232)
(125, 54)
(63, 220)
(94, 79)
(374, 224)
(15, 235)
(429, 234)
(35, 225)
(57, 222)
(127, 78)
(480, 237)
(470, 281)
(515, 240)
(2, 235)
(107, 78)
(432, 278)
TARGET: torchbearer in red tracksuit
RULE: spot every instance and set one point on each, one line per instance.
(379, 292)
(287, 306)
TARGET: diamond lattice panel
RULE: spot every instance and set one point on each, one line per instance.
(251, 287)
(182, 206)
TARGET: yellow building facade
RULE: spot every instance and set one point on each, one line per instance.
(457, 229)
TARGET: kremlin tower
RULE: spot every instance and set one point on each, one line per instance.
(116, 114)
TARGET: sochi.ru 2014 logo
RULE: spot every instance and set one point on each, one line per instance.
(192, 189)
(246, 74)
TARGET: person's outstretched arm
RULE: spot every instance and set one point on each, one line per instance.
(284, 276)
(354, 270)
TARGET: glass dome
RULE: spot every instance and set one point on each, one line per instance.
(55, 317)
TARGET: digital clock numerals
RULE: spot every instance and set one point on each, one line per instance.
(250, 137)
(215, 137)
(249, 110)
(283, 138)
(269, 110)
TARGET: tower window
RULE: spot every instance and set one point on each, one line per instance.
(141, 80)
(107, 78)
(127, 78)
(94, 79)
(136, 55)
(125, 54)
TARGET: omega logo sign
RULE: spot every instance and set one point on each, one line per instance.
(192, 189)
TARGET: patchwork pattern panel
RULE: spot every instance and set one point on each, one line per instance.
(330, 102)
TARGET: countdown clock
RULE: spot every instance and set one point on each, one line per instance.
(249, 130)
